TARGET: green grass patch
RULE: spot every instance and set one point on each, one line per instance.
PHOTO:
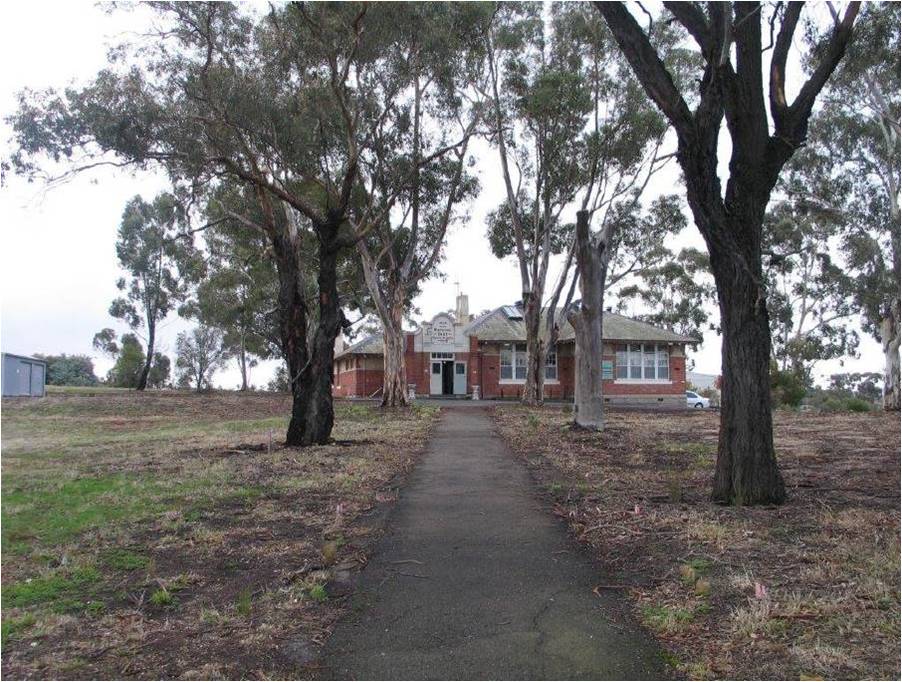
(243, 606)
(318, 593)
(666, 619)
(52, 514)
(65, 590)
(125, 560)
(163, 598)
(12, 627)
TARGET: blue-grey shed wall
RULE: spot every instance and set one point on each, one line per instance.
(23, 376)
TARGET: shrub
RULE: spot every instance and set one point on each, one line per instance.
(162, 597)
(787, 388)
(858, 405)
(69, 370)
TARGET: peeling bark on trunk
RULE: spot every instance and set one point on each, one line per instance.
(890, 338)
(889, 326)
(292, 328)
(148, 361)
(394, 386)
(242, 364)
(587, 326)
(312, 413)
(533, 389)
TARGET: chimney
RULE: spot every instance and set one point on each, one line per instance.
(463, 308)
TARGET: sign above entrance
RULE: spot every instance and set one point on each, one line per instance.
(442, 331)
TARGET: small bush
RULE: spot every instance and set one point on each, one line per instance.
(318, 593)
(244, 602)
(787, 388)
(162, 598)
(858, 405)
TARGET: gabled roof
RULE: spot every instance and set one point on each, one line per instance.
(504, 324)
(368, 345)
(499, 326)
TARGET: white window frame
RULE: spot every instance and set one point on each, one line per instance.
(551, 364)
(518, 363)
(634, 358)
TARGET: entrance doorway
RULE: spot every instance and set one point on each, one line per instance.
(447, 377)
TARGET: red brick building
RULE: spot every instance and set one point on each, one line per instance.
(462, 355)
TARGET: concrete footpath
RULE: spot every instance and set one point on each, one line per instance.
(475, 579)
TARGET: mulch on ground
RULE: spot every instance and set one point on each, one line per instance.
(806, 589)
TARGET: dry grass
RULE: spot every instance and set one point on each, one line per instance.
(161, 535)
(810, 588)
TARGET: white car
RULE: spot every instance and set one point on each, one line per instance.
(697, 401)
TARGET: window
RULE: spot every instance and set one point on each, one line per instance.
(507, 371)
(640, 361)
(443, 356)
(460, 368)
(514, 361)
(520, 361)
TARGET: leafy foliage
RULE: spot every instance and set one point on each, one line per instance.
(810, 295)
(199, 353)
(69, 370)
(129, 363)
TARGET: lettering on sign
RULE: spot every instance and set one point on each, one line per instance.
(442, 331)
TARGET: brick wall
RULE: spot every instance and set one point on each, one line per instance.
(363, 376)
(417, 367)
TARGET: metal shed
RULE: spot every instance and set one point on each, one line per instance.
(23, 376)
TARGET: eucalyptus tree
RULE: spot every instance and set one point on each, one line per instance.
(537, 109)
(810, 294)
(618, 237)
(428, 116)
(239, 291)
(198, 354)
(281, 103)
(158, 253)
(130, 360)
(856, 137)
(765, 127)
(676, 293)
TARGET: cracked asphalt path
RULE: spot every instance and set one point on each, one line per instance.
(475, 579)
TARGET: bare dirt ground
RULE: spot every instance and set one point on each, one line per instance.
(161, 536)
(807, 590)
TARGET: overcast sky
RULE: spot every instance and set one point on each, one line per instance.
(59, 263)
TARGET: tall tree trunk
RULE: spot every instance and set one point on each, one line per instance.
(746, 471)
(292, 315)
(535, 351)
(312, 413)
(148, 361)
(889, 326)
(394, 383)
(587, 327)
(242, 363)
(890, 339)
